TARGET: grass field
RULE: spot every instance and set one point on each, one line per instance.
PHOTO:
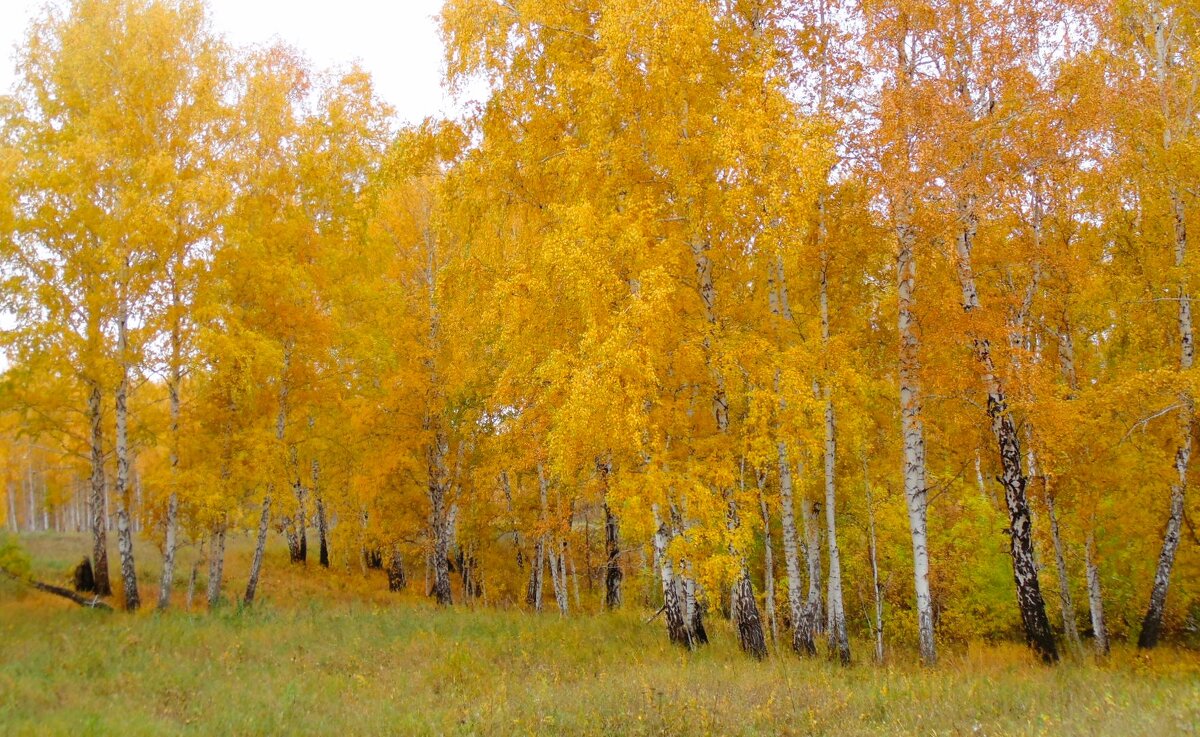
(358, 661)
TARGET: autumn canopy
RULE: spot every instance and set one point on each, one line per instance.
(836, 320)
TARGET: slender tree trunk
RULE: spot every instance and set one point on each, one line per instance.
(322, 524)
(1064, 584)
(300, 521)
(124, 534)
(802, 641)
(99, 494)
(260, 547)
(191, 589)
(397, 580)
(612, 567)
(876, 585)
(612, 546)
(536, 575)
(839, 641)
(12, 507)
(673, 608)
(811, 620)
(1095, 598)
(913, 430)
(216, 566)
(558, 575)
(570, 564)
(533, 592)
(440, 522)
(911, 401)
(1029, 594)
(173, 385)
(768, 558)
(746, 618)
(745, 607)
(169, 545)
(30, 502)
(1152, 623)
(692, 608)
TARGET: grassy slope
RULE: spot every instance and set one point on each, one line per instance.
(357, 662)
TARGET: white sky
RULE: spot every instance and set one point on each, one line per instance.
(395, 40)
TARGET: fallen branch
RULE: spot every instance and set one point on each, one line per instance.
(92, 603)
(652, 616)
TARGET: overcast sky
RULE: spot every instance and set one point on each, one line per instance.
(395, 40)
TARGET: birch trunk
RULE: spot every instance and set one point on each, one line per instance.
(570, 565)
(801, 637)
(691, 605)
(1029, 594)
(1152, 623)
(322, 523)
(876, 585)
(99, 494)
(216, 566)
(12, 507)
(673, 609)
(260, 547)
(839, 641)
(169, 542)
(768, 559)
(913, 430)
(781, 307)
(533, 591)
(533, 595)
(1066, 357)
(397, 580)
(440, 519)
(810, 621)
(911, 402)
(745, 608)
(191, 589)
(612, 554)
(124, 533)
(288, 449)
(1095, 598)
(30, 501)
(558, 570)
(1064, 584)
(300, 521)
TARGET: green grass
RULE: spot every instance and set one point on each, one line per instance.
(364, 664)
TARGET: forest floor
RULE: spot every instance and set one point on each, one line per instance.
(325, 654)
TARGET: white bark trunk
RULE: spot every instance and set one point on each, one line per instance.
(768, 558)
(191, 589)
(673, 606)
(1064, 584)
(260, 547)
(801, 636)
(812, 620)
(913, 430)
(99, 494)
(1095, 597)
(876, 585)
(124, 533)
(173, 387)
(216, 566)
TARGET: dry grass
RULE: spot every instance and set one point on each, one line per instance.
(332, 653)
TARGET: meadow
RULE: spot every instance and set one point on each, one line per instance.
(361, 661)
